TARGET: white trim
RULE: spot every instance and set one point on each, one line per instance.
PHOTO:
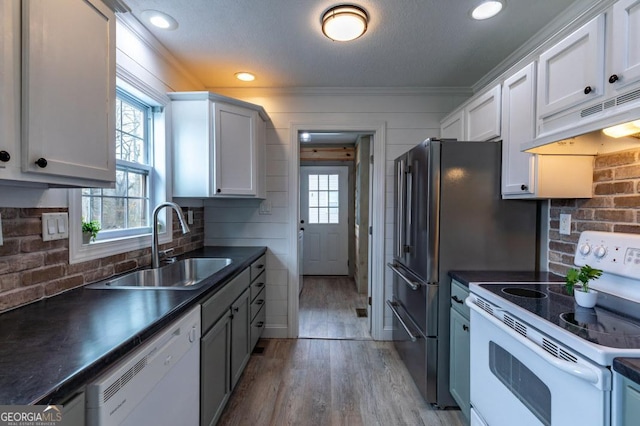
(361, 91)
(378, 129)
(79, 252)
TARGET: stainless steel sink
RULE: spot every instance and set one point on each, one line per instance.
(186, 274)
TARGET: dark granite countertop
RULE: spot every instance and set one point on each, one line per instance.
(51, 348)
(628, 367)
(466, 277)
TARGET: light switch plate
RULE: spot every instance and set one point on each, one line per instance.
(565, 224)
(265, 207)
(55, 226)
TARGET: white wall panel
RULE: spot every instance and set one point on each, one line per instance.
(409, 118)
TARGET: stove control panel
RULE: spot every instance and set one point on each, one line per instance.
(614, 253)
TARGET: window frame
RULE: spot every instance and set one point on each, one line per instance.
(159, 177)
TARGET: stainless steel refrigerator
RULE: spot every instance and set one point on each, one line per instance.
(449, 215)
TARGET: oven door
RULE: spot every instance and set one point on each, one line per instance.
(516, 382)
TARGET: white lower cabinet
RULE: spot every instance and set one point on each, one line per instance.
(626, 401)
(218, 146)
(215, 368)
(459, 384)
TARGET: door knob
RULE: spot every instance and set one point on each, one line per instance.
(41, 162)
(302, 221)
(4, 156)
(587, 90)
(613, 78)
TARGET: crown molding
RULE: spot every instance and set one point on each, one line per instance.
(362, 91)
(118, 6)
(130, 22)
(579, 13)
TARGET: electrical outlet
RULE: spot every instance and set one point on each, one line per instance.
(190, 217)
(265, 207)
(565, 224)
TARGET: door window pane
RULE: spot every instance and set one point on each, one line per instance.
(324, 198)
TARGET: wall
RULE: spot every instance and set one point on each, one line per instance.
(32, 269)
(361, 224)
(615, 207)
(410, 117)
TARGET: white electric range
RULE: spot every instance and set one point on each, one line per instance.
(539, 359)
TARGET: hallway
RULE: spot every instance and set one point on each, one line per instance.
(328, 309)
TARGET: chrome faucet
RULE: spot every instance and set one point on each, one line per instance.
(155, 258)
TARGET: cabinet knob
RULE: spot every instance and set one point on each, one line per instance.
(41, 162)
(587, 90)
(4, 156)
(260, 324)
(259, 302)
(524, 187)
(465, 327)
(218, 190)
(236, 309)
(613, 78)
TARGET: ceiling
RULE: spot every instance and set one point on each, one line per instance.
(409, 43)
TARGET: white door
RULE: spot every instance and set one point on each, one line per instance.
(323, 208)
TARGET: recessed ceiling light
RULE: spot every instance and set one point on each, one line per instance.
(305, 137)
(159, 19)
(245, 76)
(344, 22)
(486, 10)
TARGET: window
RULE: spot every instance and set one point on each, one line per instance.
(124, 210)
(323, 198)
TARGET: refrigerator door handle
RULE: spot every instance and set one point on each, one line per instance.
(413, 285)
(392, 306)
(400, 208)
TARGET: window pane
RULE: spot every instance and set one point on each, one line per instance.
(323, 199)
(323, 182)
(313, 198)
(132, 149)
(323, 215)
(113, 216)
(333, 199)
(333, 182)
(333, 215)
(136, 185)
(136, 213)
(313, 182)
(313, 215)
(118, 113)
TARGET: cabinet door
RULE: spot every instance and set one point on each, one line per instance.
(459, 361)
(482, 116)
(624, 68)
(236, 156)
(518, 125)
(571, 73)
(10, 90)
(68, 81)
(240, 336)
(453, 127)
(215, 368)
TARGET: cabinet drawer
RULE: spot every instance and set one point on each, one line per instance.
(257, 303)
(458, 295)
(258, 266)
(257, 325)
(257, 285)
(219, 303)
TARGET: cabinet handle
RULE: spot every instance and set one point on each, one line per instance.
(259, 266)
(236, 309)
(465, 327)
(524, 187)
(259, 302)
(4, 156)
(613, 78)
(587, 90)
(260, 324)
(260, 285)
(41, 162)
(457, 299)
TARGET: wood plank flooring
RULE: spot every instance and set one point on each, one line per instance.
(327, 309)
(329, 382)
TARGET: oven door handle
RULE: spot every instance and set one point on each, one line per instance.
(578, 370)
(392, 306)
(413, 285)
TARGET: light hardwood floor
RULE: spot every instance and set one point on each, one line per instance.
(315, 382)
(328, 309)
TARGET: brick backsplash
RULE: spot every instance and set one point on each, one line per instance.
(32, 269)
(615, 206)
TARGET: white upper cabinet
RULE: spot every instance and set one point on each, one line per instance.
(452, 127)
(623, 67)
(218, 145)
(482, 116)
(571, 73)
(518, 125)
(67, 132)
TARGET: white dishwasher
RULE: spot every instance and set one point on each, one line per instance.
(159, 384)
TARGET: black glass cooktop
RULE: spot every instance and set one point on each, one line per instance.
(614, 322)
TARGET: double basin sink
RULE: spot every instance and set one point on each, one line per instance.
(187, 274)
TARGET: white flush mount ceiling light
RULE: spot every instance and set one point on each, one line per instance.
(486, 10)
(344, 22)
(159, 19)
(245, 76)
(624, 129)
